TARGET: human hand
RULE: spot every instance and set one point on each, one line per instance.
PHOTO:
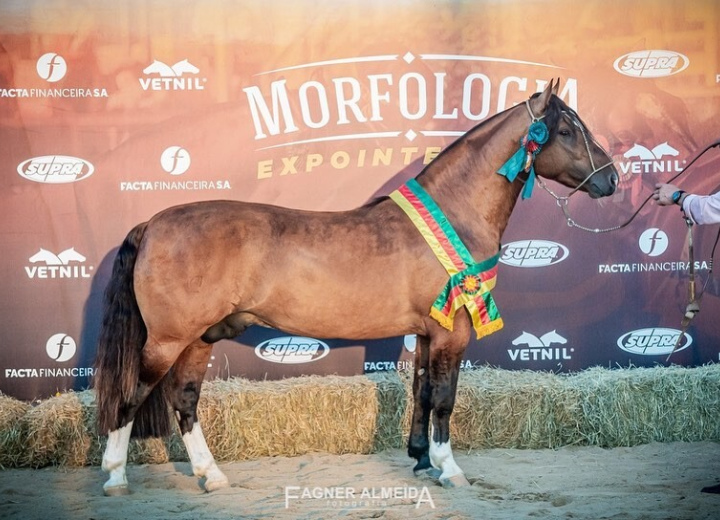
(663, 193)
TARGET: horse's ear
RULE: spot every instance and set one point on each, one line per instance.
(556, 87)
(543, 99)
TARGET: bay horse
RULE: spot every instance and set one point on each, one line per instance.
(200, 272)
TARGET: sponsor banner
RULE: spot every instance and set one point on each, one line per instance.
(131, 120)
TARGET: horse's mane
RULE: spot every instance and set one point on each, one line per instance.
(553, 113)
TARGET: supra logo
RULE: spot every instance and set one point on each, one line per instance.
(656, 160)
(55, 169)
(51, 67)
(540, 348)
(171, 77)
(60, 347)
(292, 350)
(651, 64)
(533, 253)
(58, 266)
(653, 341)
(175, 160)
(653, 242)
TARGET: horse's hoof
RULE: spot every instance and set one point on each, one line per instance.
(215, 484)
(455, 481)
(430, 472)
(116, 491)
(422, 465)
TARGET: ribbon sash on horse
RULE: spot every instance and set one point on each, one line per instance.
(470, 282)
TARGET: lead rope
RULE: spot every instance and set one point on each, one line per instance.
(693, 306)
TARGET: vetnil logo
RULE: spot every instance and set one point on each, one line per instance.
(662, 158)
(540, 348)
(163, 77)
(66, 264)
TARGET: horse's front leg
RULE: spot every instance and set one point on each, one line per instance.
(418, 442)
(445, 360)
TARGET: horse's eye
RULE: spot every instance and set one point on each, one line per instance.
(564, 132)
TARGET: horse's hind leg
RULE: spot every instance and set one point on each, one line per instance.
(187, 376)
(418, 442)
(445, 360)
(146, 413)
(115, 460)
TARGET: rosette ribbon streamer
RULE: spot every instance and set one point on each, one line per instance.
(524, 159)
(470, 282)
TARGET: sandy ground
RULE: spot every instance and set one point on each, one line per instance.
(655, 481)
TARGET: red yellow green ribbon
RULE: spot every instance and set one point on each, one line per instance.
(470, 283)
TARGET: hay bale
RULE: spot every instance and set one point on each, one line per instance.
(626, 407)
(56, 433)
(514, 409)
(61, 431)
(248, 419)
(362, 414)
(13, 430)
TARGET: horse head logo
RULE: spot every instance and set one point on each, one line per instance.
(70, 255)
(64, 258)
(532, 341)
(664, 149)
(645, 154)
(46, 256)
(639, 151)
(181, 67)
(174, 71)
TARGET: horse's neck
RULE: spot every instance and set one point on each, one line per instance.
(465, 184)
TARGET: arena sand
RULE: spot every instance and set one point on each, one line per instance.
(650, 481)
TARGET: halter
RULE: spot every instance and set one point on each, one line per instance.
(562, 201)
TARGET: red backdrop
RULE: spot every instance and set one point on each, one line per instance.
(110, 113)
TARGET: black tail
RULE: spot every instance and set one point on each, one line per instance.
(117, 365)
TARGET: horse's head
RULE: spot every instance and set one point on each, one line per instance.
(571, 156)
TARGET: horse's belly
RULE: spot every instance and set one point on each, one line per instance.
(341, 314)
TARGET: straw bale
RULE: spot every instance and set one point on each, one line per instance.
(56, 433)
(626, 407)
(362, 414)
(13, 430)
(249, 419)
(521, 409)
